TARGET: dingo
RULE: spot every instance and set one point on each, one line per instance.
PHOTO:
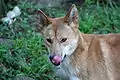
(80, 56)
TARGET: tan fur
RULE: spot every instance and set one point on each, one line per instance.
(99, 58)
(95, 57)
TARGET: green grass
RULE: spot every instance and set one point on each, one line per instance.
(100, 20)
(28, 55)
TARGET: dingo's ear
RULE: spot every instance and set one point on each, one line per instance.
(72, 15)
(42, 20)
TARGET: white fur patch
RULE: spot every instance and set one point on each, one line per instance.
(74, 78)
(73, 11)
(70, 48)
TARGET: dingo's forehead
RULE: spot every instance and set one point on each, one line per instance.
(58, 28)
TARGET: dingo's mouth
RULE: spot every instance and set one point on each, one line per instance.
(56, 60)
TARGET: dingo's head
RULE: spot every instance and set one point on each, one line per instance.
(60, 34)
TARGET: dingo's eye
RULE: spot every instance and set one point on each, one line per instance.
(63, 40)
(49, 40)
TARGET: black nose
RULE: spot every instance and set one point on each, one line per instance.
(51, 57)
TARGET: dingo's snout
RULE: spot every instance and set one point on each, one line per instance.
(56, 59)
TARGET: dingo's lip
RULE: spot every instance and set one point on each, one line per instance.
(56, 64)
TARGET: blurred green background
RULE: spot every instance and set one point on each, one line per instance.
(22, 50)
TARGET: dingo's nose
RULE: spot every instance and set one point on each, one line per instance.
(56, 60)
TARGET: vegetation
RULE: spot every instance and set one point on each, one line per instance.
(28, 55)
